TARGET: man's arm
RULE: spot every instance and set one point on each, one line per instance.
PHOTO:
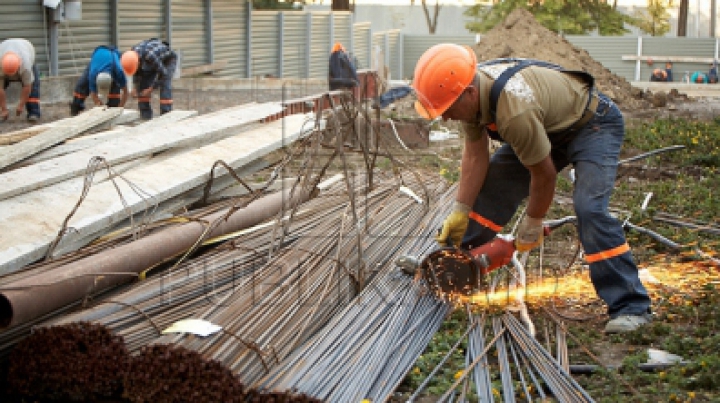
(542, 187)
(123, 97)
(24, 96)
(473, 168)
(3, 105)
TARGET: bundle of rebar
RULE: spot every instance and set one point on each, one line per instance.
(368, 348)
(162, 374)
(76, 362)
(306, 285)
(526, 370)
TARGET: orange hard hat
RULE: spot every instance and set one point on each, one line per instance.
(441, 75)
(337, 47)
(10, 63)
(130, 61)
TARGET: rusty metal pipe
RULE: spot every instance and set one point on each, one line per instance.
(33, 296)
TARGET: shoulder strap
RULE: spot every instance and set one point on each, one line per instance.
(505, 76)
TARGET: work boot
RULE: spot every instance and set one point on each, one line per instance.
(626, 323)
(75, 109)
(33, 118)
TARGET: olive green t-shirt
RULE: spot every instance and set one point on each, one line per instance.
(535, 103)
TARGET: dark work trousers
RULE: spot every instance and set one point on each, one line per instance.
(143, 80)
(32, 106)
(82, 90)
(594, 154)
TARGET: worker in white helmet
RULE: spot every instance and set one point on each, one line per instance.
(103, 76)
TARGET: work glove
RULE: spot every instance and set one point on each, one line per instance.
(4, 114)
(19, 110)
(530, 234)
(454, 226)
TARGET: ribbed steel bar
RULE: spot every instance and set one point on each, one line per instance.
(481, 374)
(471, 327)
(563, 386)
(508, 389)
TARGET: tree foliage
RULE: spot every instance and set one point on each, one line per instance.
(571, 17)
(274, 5)
(654, 21)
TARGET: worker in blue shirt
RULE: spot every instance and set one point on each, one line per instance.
(152, 64)
(103, 75)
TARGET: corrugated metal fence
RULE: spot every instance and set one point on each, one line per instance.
(287, 44)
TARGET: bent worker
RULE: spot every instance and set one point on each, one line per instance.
(547, 119)
(17, 57)
(658, 75)
(152, 64)
(341, 70)
(699, 77)
(103, 75)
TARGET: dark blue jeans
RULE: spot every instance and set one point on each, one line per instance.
(32, 106)
(594, 152)
(143, 80)
(82, 90)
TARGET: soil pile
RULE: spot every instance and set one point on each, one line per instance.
(520, 35)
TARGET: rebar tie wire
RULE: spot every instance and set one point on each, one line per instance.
(94, 165)
(139, 310)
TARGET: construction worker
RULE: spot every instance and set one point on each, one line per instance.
(17, 57)
(341, 70)
(699, 77)
(103, 75)
(546, 119)
(659, 75)
(152, 64)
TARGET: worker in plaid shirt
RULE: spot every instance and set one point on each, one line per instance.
(152, 64)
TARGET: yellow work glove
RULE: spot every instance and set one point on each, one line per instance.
(530, 234)
(455, 225)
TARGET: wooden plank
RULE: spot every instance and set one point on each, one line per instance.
(57, 134)
(83, 142)
(136, 144)
(674, 59)
(30, 222)
(127, 116)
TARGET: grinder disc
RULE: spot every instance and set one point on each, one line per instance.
(451, 271)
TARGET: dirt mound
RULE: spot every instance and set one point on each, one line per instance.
(520, 35)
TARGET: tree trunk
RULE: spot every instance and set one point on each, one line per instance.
(431, 21)
(713, 17)
(682, 18)
(340, 5)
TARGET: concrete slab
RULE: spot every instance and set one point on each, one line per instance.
(139, 142)
(690, 89)
(30, 222)
(87, 141)
(57, 134)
